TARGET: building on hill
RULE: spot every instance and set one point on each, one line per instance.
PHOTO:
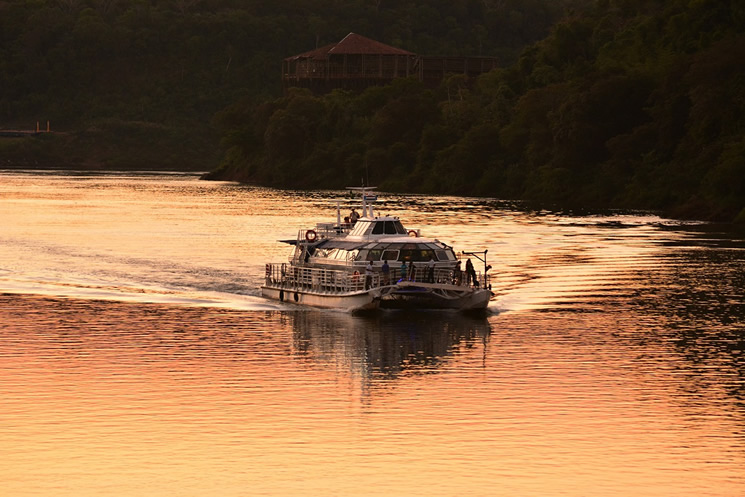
(356, 63)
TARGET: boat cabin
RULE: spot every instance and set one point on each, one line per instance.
(366, 227)
(376, 240)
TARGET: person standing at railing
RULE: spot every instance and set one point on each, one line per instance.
(470, 273)
(403, 271)
(431, 270)
(386, 270)
(368, 275)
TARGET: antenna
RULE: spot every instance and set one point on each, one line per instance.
(367, 173)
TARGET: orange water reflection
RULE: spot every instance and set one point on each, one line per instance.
(126, 399)
(615, 366)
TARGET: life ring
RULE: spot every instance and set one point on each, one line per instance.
(413, 233)
(311, 236)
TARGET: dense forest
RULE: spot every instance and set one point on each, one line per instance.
(137, 83)
(637, 104)
(599, 103)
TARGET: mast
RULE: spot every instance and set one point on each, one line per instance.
(367, 207)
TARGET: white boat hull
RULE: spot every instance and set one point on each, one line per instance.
(403, 295)
(352, 301)
(411, 295)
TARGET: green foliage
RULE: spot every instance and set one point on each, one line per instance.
(627, 104)
(180, 64)
(624, 103)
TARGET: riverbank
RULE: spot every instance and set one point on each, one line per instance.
(113, 145)
(693, 209)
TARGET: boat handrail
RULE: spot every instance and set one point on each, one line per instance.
(343, 280)
(324, 231)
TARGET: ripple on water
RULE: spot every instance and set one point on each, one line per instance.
(612, 365)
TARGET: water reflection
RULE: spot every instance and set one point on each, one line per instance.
(617, 367)
(384, 346)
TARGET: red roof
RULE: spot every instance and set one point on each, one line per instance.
(352, 44)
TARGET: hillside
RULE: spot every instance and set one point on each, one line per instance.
(599, 103)
(635, 104)
(136, 84)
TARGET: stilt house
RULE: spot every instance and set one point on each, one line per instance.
(356, 63)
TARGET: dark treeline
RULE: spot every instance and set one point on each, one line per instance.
(621, 103)
(629, 103)
(136, 83)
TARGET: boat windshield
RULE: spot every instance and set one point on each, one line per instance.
(378, 227)
(415, 252)
(388, 228)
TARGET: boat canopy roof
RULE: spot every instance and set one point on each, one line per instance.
(333, 243)
(378, 226)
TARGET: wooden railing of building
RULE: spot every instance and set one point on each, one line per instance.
(357, 72)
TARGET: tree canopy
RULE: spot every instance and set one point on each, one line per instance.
(628, 103)
(624, 103)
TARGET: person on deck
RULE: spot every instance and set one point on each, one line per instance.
(470, 273)
(368, 275)
(386, 270)
(403, 271)
(457, 274)
(353, 216)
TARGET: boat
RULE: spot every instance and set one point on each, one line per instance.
(374, 262)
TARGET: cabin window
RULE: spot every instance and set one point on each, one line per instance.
(399, 228)
(390, 228)
(378, 228)
(390, 255)
(427, 255)
(373, 255)
(418, 254)
(445, 255)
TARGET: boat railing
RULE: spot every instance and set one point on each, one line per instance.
(318, 279)
(342, 281)
(421, 273)
(324, 231)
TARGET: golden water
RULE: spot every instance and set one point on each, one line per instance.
(138, 359)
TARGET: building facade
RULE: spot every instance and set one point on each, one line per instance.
(356, 63)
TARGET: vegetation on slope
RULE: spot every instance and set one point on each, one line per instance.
(625, 103)
(136, 83)
(629, 104)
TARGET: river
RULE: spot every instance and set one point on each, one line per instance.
(137, 357)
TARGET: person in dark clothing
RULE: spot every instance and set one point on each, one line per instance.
(470, 273)
(368, 275)
(386, 270)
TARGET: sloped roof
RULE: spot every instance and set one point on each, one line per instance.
(352, 44)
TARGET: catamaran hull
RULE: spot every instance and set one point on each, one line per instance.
(413, 297)
(352, 301)
(390, 297)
